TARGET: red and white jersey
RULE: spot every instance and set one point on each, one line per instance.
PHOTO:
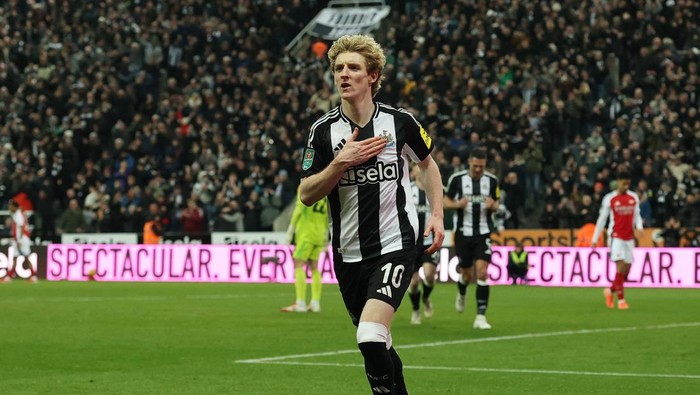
(20, 228)
(623, 210)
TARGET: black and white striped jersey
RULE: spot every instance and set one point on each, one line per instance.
(473, 220)
(372, 211)
(424, 213)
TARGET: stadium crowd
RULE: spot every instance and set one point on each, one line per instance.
(195, 113)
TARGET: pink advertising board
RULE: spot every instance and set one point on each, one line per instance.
(549, 266)
(176, 262)
(586, 267)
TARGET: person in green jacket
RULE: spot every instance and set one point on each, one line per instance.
(518, 264)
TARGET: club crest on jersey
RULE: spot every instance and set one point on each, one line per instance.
(371, 174)
(388, 137)
(308, 159)
(426, 137)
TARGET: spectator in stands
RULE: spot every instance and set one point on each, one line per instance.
(514, 193)
(550, 217)
(645, 197)
(230, 217)
(587, 211)
(117, 216)
(534, 160)
(690, 213)
(664, 207)
(192, 218)
(251, 210)
(152, 230)
(285, 188)
(270, 208)
(671, 233)
(677, 168)
(45, 209)
(93, 201)
(72, 220)
(100, 223)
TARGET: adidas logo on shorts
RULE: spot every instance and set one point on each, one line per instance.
(385, 290)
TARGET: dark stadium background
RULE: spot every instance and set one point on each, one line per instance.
(135, 108)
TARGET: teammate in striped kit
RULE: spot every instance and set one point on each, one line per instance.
(622, 206)
(357, 154)
(426, 261)
(20, 241)
(474, 194)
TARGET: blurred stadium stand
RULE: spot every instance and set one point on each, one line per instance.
(134, 109)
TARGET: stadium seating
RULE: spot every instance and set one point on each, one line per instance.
(135, 109)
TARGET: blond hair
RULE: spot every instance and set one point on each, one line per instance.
(365, 46)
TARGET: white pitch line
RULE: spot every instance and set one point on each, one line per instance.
(492, 370)
(478, 340)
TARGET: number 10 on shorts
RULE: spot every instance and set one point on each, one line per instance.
(396, 274)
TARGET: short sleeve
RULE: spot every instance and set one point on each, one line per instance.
(495, 190)
(313, 159)
(453, 188)
(417, 139)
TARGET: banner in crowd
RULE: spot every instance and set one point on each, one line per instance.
(555, 237)
(99, 238)
(558, 266)
(249, 238)
(332, 23)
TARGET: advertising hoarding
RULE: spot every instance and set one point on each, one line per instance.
(549, 266)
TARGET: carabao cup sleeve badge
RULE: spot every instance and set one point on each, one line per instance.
(426, 137)
(308, 159)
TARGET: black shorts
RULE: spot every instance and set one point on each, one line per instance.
(422, 257)
(385, 278)
(471, 248)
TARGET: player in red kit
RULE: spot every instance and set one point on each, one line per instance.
(622, 206)
(20, 240)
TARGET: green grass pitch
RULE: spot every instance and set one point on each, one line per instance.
(167, 338)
